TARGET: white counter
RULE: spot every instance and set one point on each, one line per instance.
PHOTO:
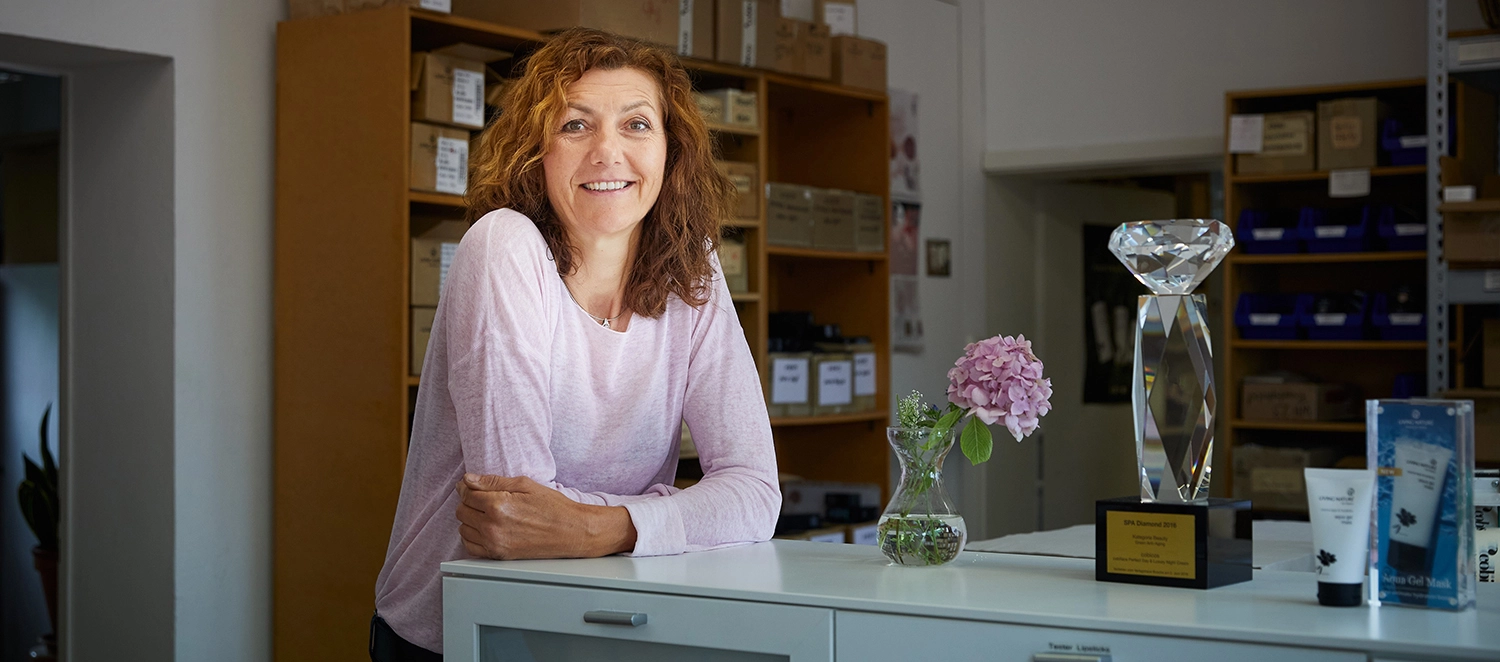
(977, 597)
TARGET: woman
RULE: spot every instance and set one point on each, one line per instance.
(583, 319)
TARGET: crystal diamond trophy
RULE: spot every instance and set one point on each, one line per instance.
(1173, 534)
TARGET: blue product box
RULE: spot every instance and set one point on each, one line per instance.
(1396, 326)
(1423, 455)
(1268, 316)
(1400, 147)
(1339, 230)
(1346, 324)
(1264, 231)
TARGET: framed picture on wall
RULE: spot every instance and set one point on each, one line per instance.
(939, 258)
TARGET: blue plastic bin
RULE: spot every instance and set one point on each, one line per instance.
(1267, 231)
(1337, 230)
(1332, 326)
(1398, 326)
(1399, 229)
(1391, 139)
(1268, 316)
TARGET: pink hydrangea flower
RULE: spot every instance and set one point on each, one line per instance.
(999, 379)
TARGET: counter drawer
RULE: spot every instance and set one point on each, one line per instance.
(866, 636)
(502, 619)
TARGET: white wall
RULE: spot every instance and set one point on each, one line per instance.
(221, 75)
(929, 43)
(1115, 78)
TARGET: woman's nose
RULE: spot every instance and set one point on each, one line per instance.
(606, 148)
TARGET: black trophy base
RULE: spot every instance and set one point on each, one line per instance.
(1184, 545)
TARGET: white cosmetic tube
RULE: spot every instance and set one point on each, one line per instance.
(1415, 491)
(1339, 502)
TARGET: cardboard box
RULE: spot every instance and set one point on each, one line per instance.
(833, 220)
(859, 63)
(1298, 401)
(1349, 133)
(311, 8)
(431, 252)
(869, 223)
(656, 21)
(695, 29)
(732, 259)
(802, 10)
(421, 332)
(1491, 353)
(449, 84)
(1287, 145)
(752, 33)
(711, 107)
(789, 214)
(745, 177)
(741, 108)
(1271, 477)
(1471, 238)
(815, 46)
(841, 17)
(439, 158)
(867, 533)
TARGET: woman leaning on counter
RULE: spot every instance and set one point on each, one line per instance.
(584, 318)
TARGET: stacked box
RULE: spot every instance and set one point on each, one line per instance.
(448, 84)
(744, 177)
(657, 21)
(1349, 132)
(1272, 477)
(732, 259)
(869, 223)
(858, 63)
(833, 215)
(789, 215)
(1286, 145)
(431, 253)
(439, 158)
(736, 107)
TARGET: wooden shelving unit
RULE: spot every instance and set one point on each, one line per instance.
(1371, 365)
(343, 395)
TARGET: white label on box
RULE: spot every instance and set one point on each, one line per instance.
(1410, 229)
(831, 536)
(1410, 142)
(468, 97)
(834, 383)
(1458, 194)
(1471, 52)
(840, 19)
(684, 27)
(445, 6)
(1492, 280)
(1265, 319)
(449, 250)
(1406, 319)
(747, 32)
(867, 535)
(1286, 135)
(452, 165)
(1268, 234)
(864, 373)
(1331, 231)
(801, 10)
(1330, 319)
(789, 381)
(1352, 183)
(1246, 133)
(732, 258)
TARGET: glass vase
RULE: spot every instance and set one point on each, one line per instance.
(920, 526)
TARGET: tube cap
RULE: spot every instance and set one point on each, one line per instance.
(1340, 595)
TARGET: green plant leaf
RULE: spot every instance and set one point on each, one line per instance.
(949, 418)
(48, 464)
(977, 442)
(34, 473)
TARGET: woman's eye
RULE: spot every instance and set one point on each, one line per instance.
(639, 125)
(575, 125)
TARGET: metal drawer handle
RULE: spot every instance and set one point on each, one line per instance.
(606, 617)
(1068, 657)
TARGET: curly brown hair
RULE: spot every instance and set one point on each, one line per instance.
(680, 232)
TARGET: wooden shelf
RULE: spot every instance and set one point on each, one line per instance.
(1473, 393)
(742, 223)
(744, 296)
(789, 421)
(440, 199)
(413, 380)
(825, 87)
(792, 251)
(1299, 426)
(1327, 258)
(1315, 175)
(737, 130)
(1477, 206)
(1317, 345)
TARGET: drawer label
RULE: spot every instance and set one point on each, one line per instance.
(1150, 544)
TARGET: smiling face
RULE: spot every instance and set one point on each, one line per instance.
(608, 153)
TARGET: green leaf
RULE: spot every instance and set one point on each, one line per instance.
(977, 442)
(34, 473)
(949, 418)
(47, 462)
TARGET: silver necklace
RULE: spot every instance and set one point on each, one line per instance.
(603, 321)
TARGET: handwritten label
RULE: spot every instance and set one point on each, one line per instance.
(864, 373)
(747, 32)
(1352, 183)
(685, 27)
(1346, 132)
(1286, 135)
(840, 18)
(788, 381)
(1246, 133)
(835, 383)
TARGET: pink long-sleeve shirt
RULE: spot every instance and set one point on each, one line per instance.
(519, 381)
